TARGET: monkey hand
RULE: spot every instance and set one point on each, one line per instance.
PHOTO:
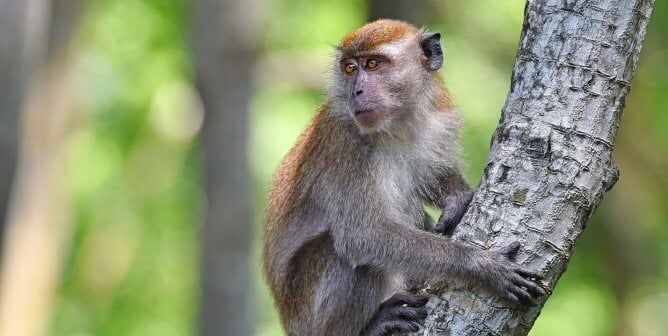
(403, 312)
(446, 224)
(510, 280)
(453, 213)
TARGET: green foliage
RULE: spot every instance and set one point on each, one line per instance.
(132, 268)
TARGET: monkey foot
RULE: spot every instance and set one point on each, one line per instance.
(403, 312)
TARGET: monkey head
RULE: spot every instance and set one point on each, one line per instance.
(383, 71)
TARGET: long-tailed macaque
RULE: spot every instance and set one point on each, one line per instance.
(346, 233)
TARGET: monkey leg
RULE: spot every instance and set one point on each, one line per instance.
(347, 299)
(403, 312)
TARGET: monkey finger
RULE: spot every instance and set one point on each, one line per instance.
(409, 313)
(420, 301)
(411, 300)
(394, 326)
(513, 299)
(529, 273)
(524, 297)
(545, 287)
(533, 288)
(403, 326)
(445, 227)
(397, 318)
(510, 250)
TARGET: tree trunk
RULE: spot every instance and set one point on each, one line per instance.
(414, 11)
(226, 38)
(551, 157)
(38, 215)
(21, 35)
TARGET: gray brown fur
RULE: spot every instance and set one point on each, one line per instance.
(346, 233)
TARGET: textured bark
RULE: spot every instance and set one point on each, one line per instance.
(226, 43)
(551, 157)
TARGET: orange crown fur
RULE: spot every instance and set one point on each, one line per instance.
(377, 33)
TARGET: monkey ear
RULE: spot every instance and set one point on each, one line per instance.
(431, 46)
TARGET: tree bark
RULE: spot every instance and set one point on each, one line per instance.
(226, 47)
(551, 157)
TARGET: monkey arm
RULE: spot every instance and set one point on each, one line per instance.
(392, 247)
(453, 195)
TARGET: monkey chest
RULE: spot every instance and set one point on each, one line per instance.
(400, 185)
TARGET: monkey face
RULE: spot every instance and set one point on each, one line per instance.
(381, 85)
(370, 99)
(383, 75)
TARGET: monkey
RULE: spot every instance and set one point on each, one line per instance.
(346, 236)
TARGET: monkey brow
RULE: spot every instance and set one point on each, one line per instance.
(362, 54)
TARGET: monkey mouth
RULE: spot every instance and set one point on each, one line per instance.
(362, 111)
(369, 117)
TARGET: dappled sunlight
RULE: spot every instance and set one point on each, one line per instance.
(578, 310)
(176, 112)
(647, 310)
(91, 163)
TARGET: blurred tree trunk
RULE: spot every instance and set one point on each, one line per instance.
(551, 157)
(413, 11)
(37, 214)
(20, 44)
(226, 49)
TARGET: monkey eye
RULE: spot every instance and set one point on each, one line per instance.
(372, 64)
(349, 68)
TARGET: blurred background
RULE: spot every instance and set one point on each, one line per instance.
(138, 138)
